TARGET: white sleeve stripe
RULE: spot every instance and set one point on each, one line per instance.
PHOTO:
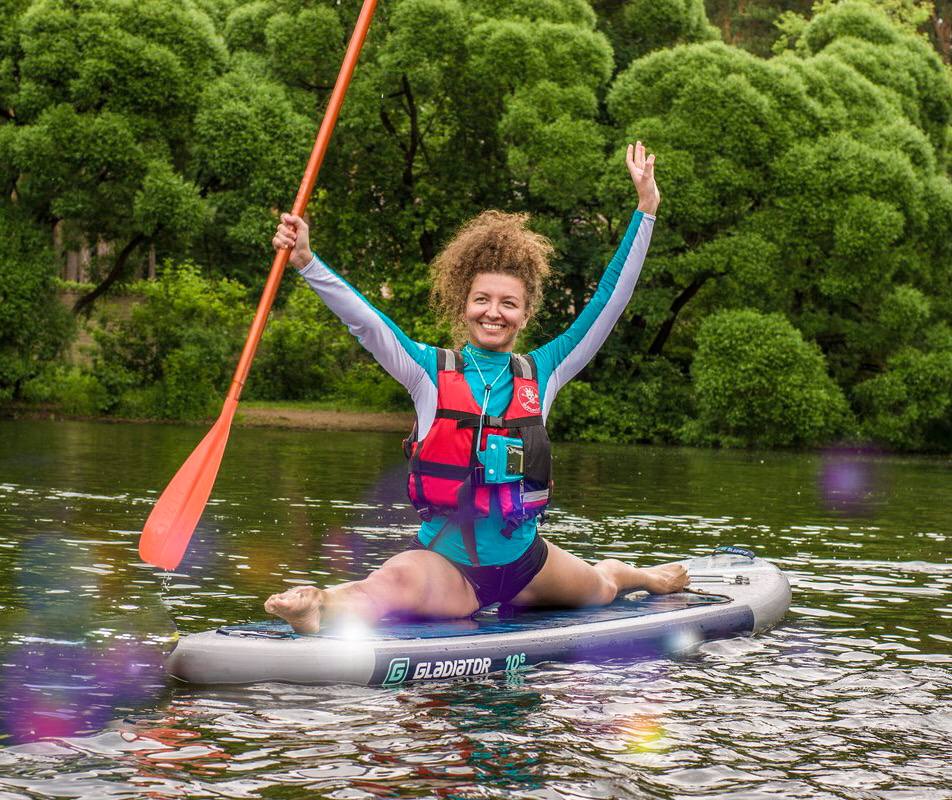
(376, 334)
(595, 337)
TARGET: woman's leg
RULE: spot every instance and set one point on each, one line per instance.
(417, 582)
(566, 580)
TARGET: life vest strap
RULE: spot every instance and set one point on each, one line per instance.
(524, 422)
(438, 470)
(523, 366)
(466, 419)
(451, 360)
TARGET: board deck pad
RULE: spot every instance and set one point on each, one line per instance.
(498, 619)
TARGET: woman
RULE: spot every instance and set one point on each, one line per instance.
(479, 456)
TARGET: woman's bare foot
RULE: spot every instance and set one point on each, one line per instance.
(665, 578)
(300, 607)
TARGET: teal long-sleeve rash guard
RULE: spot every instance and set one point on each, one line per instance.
(413, 364)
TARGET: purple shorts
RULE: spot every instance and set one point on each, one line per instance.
(499, 584)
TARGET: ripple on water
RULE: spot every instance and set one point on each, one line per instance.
(849, 698)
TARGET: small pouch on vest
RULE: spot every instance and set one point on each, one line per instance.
(502, 459)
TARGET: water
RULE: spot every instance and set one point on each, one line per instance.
(850, 698)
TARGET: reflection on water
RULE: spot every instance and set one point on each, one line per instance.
(851, 697)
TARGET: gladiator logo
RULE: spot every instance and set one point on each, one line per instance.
(529, 399)
(397, 671)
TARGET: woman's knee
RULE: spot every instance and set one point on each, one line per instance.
(401, 582)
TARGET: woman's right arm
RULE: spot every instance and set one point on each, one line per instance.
(404, 359)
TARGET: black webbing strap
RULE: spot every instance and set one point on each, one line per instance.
(523, 422)
(466, 503)
(448, 413)
(439, 534)
(438, 470)
(466, 419)
(523, 366)
(472, 421)
(449, 360)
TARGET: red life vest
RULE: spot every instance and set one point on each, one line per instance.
(446, 477)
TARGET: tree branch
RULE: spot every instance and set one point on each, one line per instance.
(389, 128)
(84, 303)
(414, 145)
(679, 302)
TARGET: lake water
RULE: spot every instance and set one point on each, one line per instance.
(851, 697)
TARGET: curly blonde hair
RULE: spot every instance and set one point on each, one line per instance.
(494, 241)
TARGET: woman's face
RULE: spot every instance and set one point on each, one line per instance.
(495, 311)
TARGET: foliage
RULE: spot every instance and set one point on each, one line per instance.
(909, 405)
(34, 327)
(303, 351)
(757, 382)
(908, 14)
(458, 107)
(653, 407)
(638, 27)
(249, 145)
(172, 356)
(811, 187)
(366, 384)
(100, 103)
(71, 389)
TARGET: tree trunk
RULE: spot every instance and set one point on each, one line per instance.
(942, 25)
(84, 304)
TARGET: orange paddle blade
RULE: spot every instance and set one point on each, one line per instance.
(173, 519)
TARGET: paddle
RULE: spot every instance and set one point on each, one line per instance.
(170, 526)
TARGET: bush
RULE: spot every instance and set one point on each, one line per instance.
(909, 406)
(74, 391)
(652, 407)
(34, 326)
(757, 382)
(302, 351)
(173, 357)
(366, 385)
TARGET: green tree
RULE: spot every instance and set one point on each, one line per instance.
(455, 107)
(637, 27)
(812, 185)
(757, 382)
(100, 98)
(303, 352)
(250, 147)
(909, 405)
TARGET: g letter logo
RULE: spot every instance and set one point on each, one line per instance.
(397, 671)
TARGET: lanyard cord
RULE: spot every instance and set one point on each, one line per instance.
(488, 387)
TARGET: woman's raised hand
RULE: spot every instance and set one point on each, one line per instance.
(642, 175)
(292, 234)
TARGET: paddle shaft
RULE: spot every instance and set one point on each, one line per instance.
(170, 526)
(302, 199)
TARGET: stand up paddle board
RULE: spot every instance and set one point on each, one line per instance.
(730, 594)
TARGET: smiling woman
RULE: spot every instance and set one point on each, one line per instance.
(480, 459)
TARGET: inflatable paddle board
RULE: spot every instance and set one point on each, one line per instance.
(730, 594)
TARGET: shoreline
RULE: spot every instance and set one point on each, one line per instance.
(250, 417)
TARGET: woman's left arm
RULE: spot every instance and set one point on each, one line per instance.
(563, 358)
